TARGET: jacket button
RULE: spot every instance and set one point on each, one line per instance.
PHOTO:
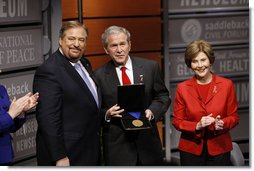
(198, 141)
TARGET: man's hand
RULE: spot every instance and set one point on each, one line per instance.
(114, 111)
(149, 114)
(63, 162)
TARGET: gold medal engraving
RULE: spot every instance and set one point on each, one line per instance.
(137, 123)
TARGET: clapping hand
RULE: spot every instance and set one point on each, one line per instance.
(17, 106)
(218, 123)
(32, 101)
(23, 104)
(205, 121)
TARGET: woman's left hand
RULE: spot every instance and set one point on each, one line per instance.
(32, 102)
(218, 123)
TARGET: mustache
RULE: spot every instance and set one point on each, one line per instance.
(77, 48)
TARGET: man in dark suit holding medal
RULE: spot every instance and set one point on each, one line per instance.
(130, 147)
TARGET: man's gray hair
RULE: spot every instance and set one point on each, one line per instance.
(114, 30)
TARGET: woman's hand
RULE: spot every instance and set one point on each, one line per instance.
(23, 104)
(17, 106)
(205, 121)
(218, 123)
(32, 102)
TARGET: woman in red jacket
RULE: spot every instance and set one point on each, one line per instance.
(205, 110)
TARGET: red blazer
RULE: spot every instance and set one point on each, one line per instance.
(189, 109)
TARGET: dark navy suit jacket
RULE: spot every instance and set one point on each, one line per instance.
(67, 114)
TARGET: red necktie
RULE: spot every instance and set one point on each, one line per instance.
(125, 77)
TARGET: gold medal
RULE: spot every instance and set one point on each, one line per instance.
(137, 123)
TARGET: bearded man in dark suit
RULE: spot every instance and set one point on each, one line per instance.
(68, 109)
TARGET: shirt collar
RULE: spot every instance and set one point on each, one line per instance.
(128, 64)
(72, 63)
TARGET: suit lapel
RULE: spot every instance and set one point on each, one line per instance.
(71, 70)
(88, 67)
(138, 72)
(213, 90)
(193, 91)
(75, 75)
(111, 75)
